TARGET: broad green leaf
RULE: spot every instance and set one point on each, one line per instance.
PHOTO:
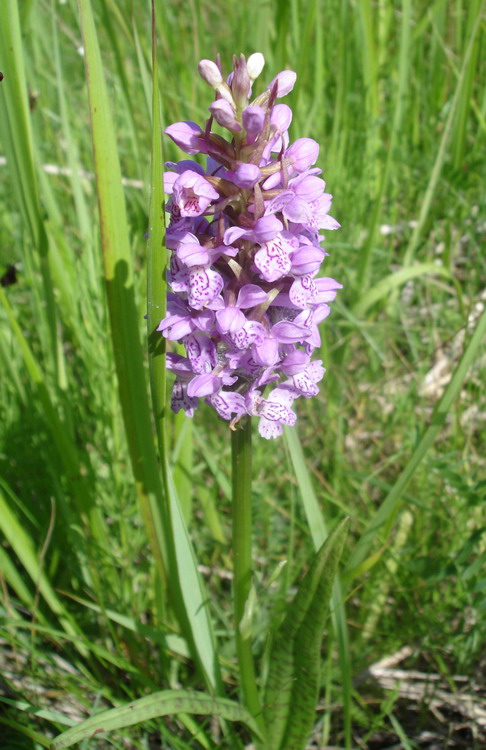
(292, 686)
(318, 530)
(152, 706)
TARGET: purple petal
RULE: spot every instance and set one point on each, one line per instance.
(307, 260)
(230, 319)
(297, 210)
(169, 179)
(281, 117)
(201, 352)
(295, 362)
(235, 233)
(203, 385)
(285, 82)
(181, 400)
(287, 332)
(250, 295)
(251, 333)
(327, 222)
(303, 153)
(186, 135)
(267, 228)
(179, 327)
(253, 119)
(272, 260)
(192, 254)
(309, 189)
(266, 353)
(245, 175)
(303, 291)
(204, 286)
(204, 320)
(224, 114)
(227, 404)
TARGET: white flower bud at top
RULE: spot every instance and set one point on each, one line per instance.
(254, 65)
(209, 72)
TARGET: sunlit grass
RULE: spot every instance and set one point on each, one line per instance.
(395, 95)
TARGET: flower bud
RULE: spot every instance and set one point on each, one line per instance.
(246, 175)
(285, 82)
(302, 153)
(224, 114)
(310, 188)
(186, 135)
(281, 117)
(307, 259)
(241, 83)
(255, 65)
(209, 72)
(253, 119)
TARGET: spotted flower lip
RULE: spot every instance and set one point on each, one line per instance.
(246, 300)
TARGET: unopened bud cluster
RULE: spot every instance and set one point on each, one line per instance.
(244, 236)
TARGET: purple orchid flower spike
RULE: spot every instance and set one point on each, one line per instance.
(246, 298)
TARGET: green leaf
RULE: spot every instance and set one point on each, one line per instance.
(292, 686)
(118, 273)
(319, 532)
(152, 706)
(160, 506)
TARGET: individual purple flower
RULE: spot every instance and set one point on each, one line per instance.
(192, 193)
(246, 298)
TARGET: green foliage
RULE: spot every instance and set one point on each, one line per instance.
(394, 92)
(292, 685)
(158, 704)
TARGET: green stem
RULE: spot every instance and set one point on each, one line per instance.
(242, 567)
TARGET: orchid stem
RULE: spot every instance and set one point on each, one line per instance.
(242, 563)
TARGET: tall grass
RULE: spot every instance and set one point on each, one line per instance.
(395, 95)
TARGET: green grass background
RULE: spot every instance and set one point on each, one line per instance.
(394, 92)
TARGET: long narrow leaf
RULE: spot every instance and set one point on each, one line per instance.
(152, 706)
(123, 312)
(319, 534)
(293, 679)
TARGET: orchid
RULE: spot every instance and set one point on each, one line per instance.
(245, 253)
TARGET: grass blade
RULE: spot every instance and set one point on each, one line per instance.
(21, 544)
(382, 521)
(442, 151)
(16, 132)
(123, 313)
(395, 280)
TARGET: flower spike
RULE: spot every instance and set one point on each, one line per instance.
(244, 237)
